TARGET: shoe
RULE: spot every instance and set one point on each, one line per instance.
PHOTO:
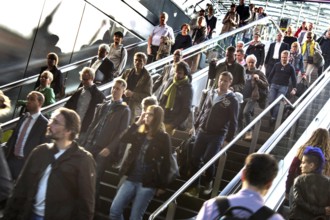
(272, 122)
(192, 192)
(248, 136)
(208, 188)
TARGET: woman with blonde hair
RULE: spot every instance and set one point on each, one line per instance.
(147, 162)
(296, 59)
(320, 139)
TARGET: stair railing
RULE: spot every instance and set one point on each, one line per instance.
(305, 100)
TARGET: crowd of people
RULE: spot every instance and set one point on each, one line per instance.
(70, 150)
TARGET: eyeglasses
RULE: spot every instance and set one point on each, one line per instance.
(308, 37)
(55, 122)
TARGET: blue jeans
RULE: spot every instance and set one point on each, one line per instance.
(135, 192)
(37, 217)
(274, 92)
(205, 147)
(247, 111)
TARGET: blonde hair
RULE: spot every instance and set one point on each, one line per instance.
(5, 104)
(320, 139)
(298, 46)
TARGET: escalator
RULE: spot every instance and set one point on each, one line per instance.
(187, 207)
(73, 29)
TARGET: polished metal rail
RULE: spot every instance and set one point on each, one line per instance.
(169, 203)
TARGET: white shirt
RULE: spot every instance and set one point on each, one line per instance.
(277, 50)
(159, 31)
(39, 205)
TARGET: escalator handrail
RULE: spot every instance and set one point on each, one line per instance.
(68, 67)
(210, 42)
(151, 66)
(286, 125)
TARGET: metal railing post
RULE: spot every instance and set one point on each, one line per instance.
(255, 136)
(171, 210)
(280, 115)
(218, 176)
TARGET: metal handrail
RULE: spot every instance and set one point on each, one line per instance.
(316, 85)
(286, 125)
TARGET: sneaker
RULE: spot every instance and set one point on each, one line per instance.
(248, 136)
(192, 192)
(272, 122)
(208, 188)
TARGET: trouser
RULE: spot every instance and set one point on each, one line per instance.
(152, 56)
(309, 70)
(135, 192)
(247, 111)
(37, 217)
(205, 147)
(274, 92)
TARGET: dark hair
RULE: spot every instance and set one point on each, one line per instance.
(72, 121)
(182, 65)
(260, 169)
(119, 34)
(53, 56)
(240, 51)
(315, 155)
(185, 25)
(231, 49)
(233, 5)
(150, 100)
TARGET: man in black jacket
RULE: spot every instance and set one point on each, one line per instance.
(103, 67)
(216, 124)
(58, 180)
(85, 99)
(274, 52)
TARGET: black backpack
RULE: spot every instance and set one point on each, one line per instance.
(223, 204)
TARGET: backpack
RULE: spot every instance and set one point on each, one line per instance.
(223, 204)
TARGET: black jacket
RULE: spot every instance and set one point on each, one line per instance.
(219, 118)
(311, 194)
(107, 68)
(36, 136)
(97, 98)
(259, 51)
(182, 105)
(70, 188)
(157, 154)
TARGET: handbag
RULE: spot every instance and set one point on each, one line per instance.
(318, 59)
(173, 171)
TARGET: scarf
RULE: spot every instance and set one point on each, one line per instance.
(171, 91)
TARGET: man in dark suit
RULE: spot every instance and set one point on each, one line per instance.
(102, 66)
(274, 53)
(29, 133)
